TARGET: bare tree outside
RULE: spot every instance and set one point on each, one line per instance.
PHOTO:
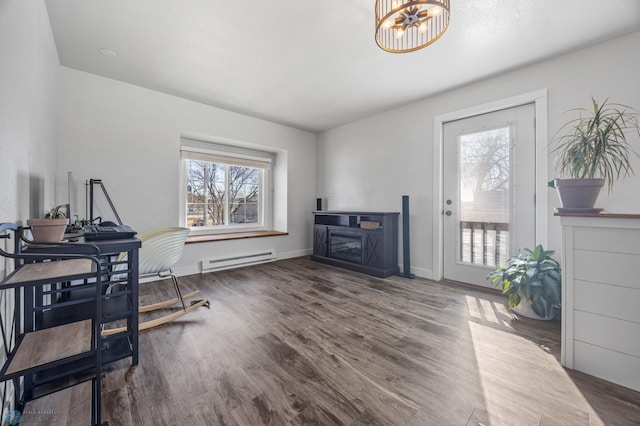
(212, 186)
(484, 180)
(244, 186)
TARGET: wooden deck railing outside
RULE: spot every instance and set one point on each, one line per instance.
(484, 243)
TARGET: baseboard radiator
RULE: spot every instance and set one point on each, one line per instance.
(226, 262)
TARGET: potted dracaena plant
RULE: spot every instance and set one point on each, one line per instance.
(593, 150)
(49, 229)
(532, 281)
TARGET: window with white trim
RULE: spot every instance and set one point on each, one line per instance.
(225, 187)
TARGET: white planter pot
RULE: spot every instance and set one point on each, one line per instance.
(524, 309)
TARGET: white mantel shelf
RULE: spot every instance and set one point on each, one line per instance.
(601, 295)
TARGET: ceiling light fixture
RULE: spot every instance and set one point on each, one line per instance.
(405, 25)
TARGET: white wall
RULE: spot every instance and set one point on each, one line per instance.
(28, 123)
(369, 164)
(28, 117)
(129, 137)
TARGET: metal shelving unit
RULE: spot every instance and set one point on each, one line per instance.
(53, 350)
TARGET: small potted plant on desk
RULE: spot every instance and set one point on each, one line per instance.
(531, 280)
(49, 229)
(593, 150)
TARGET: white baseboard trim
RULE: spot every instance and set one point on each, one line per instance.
(420, 272)
(294, 253)
(183, 271)
(195, 269)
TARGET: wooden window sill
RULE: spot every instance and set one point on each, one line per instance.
(192, 239)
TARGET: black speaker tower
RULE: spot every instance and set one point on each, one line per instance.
(406, 250)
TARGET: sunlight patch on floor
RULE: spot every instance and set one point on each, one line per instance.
(525, 390)
(490, 311)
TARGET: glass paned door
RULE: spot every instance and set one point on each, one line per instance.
(489, 189)
(485, 166)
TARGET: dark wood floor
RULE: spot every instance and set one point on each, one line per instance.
(297, 342)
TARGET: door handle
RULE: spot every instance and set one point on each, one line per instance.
(448, 212)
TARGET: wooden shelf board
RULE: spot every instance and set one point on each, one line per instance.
(232, 236)
(51, 344)
(71, 406)
(50, 271)
(601, 214)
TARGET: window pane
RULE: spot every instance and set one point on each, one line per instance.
(484, 192)
(244, 192)
(206, 192)
(209, 192)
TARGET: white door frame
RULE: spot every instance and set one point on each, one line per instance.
(539, 98)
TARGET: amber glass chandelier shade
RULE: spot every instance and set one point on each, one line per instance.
(405, 26)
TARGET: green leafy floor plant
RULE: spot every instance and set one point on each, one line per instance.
(532, 277)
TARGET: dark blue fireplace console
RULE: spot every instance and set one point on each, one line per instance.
(361, 241)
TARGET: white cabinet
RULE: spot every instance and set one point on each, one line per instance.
(601, 296)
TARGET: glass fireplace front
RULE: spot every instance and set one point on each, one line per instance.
(345, 246)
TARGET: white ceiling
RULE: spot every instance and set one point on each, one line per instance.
(315, 65)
